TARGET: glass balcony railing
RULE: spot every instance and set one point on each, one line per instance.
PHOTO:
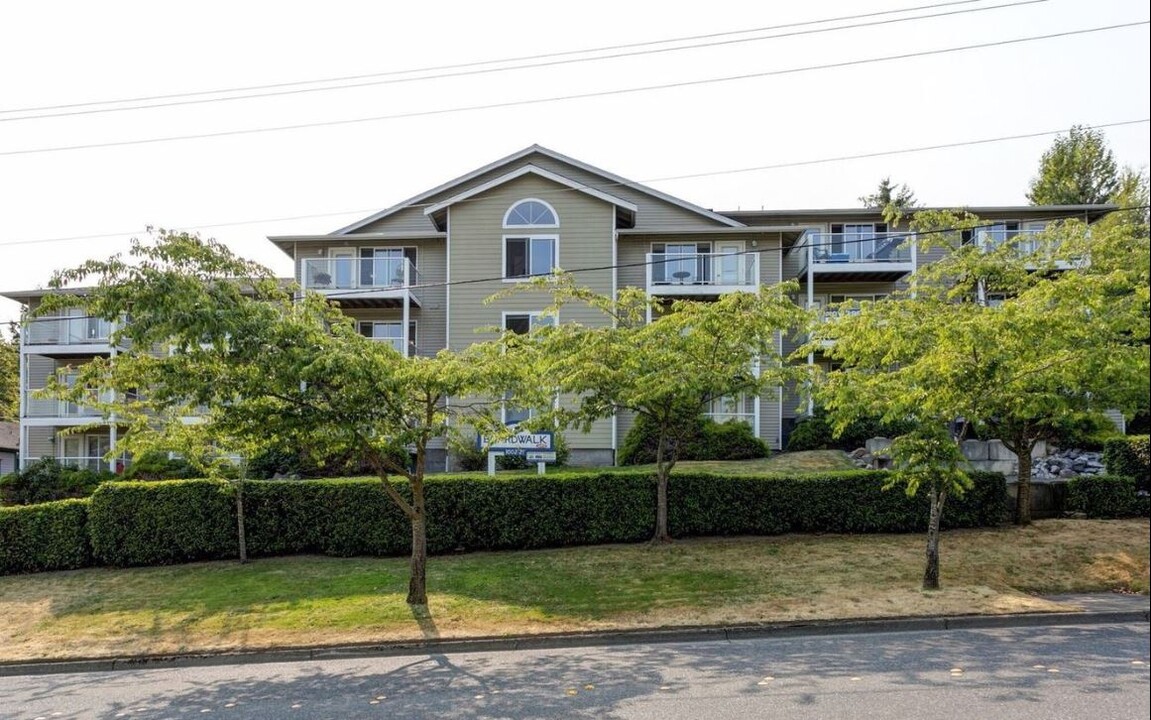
(350, 273)
(859, 248)
(67, 331)
(703, 269)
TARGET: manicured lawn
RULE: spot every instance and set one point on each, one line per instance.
(317, 600)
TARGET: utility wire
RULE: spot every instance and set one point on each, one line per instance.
(605, 186)
(490, 70)
(480, 63)
(665, 260)
(576, 96)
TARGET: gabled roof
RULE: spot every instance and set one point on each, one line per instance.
(610, 177)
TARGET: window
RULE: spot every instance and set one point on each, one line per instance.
(852, 308)
(527, 256)
(521, 324)
(391, 331)
(531, 213)
(856, 241)
(384, 267)
(683, 263)
(530, 253)
(993, 234)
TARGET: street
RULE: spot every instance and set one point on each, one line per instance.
(1080, 671)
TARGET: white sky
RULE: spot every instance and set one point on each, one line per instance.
(68, 52)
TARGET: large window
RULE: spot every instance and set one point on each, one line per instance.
(384, 267)
(858, 241)
(681, 263)
(521, 324)
(391, 331)
(528, 253)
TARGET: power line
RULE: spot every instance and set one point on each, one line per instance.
(481, 63)
(490, 70)
(576, 96)
(665, 260)
(713, 173)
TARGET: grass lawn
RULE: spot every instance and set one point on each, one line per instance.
(792, 462)
(317, 600)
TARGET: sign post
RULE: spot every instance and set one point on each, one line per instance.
(534, 446)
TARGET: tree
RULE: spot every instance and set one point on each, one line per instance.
(10, 375)
(261, 369)
(667, 370)
(1068, 340)
(894, 200)
(1078, 169)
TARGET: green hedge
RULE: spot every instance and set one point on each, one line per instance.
(1130, 456)
(159, 523)
(178, 521)
(48, 536)
(1106, 496)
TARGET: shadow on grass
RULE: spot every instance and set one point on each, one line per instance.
(692, 680)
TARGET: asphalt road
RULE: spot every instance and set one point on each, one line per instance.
(1073, 671)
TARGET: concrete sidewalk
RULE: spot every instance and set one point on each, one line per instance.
(1097, 608)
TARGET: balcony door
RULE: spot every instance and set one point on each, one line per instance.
(730, 265)
(683, 263)
(342, 260)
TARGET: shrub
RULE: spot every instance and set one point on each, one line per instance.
(814, 432)
(305, 463)
(48, 536)
(703, 439)
(47, 479)
(810, 433)
(159, 466)
(1106, 496)
(150, 523)
(1130, 456)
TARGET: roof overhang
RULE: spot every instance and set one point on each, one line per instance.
(744, 230)
(287, 242)
(438, 212)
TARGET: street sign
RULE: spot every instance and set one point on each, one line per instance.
(540, 456)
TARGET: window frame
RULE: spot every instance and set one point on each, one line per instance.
(517, 203)
(413, 332)
(531, 316)
(529, 238)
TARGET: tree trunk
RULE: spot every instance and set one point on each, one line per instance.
(240, 536)
(931, 572)
(1023, 498)
(661, 473)
(418, 582)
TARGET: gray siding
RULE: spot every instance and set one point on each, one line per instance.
(476, 247)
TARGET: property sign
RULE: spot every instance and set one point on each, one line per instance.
(540, 456)
(526, 442)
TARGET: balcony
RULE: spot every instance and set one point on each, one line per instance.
(1025, 241)
(52, 409)
(702, 274)
(96, 463)
(869, 257)
(363, 282)
(62, 336)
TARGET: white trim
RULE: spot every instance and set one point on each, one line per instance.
(521, 201)
(448, 282)
(554, 237)
(555, 156)
(532, 170)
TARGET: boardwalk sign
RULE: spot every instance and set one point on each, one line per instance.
(524, 443)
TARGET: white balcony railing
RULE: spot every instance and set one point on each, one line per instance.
(67, 331)
(349, 273)
(725, 409)
(95, 462)
(857, 247)
(39, 407)
(703, 270)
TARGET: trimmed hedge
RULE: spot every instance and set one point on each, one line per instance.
(159, 523)
(48, 536)
(179, 521)
(1130, 456)
(703, 439)
(1106, 496)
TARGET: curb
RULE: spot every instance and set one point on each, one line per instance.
(577, 640)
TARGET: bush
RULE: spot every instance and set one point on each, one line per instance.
(1130, 456)
(1106, 496)
(46, 479)
(159, 466)
(814, 433)
(48, 536)
(704, 439)
(150, 523)
(298, 463)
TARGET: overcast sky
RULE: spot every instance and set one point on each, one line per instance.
(65, 53)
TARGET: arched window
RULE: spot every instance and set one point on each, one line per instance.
(531, 213)
(528, 252)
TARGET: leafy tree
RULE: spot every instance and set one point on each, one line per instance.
(262, 370)
(1078, 169)
(894, 200)
(10, 374)
(667, 370)
(1070, 339)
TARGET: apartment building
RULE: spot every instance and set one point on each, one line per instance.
(417, 273)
